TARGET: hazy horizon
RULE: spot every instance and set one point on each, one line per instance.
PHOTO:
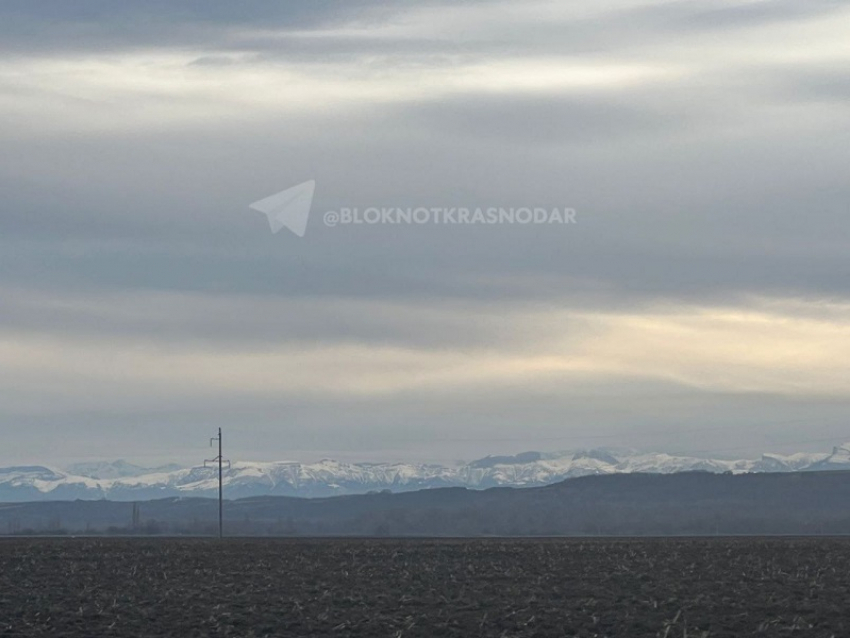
(405, 457)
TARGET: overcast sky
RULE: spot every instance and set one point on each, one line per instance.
(701, 303)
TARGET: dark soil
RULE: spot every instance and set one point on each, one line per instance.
(625, 588)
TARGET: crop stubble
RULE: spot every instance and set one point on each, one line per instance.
(383, 587)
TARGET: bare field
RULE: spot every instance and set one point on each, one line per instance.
(493, 587)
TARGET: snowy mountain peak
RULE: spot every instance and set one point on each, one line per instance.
(114, 469)
(841, 450)
(518, 459)
(596, 455)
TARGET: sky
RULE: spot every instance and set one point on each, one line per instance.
(700, 303)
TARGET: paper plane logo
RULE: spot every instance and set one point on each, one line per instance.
(289, 208)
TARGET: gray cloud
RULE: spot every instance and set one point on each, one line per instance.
(97, 24)
(757, 13)
(537, 120)
(813, 84)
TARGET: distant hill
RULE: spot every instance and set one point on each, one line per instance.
(619, 504)
(123, 481)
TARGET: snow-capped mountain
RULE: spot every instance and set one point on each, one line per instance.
(115, 469)
(123, 481)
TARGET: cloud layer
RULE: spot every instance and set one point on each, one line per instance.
(703, 289)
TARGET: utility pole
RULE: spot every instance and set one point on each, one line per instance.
(221, 461)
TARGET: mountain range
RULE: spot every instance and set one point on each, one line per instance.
(123, 481)
(637, 504)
